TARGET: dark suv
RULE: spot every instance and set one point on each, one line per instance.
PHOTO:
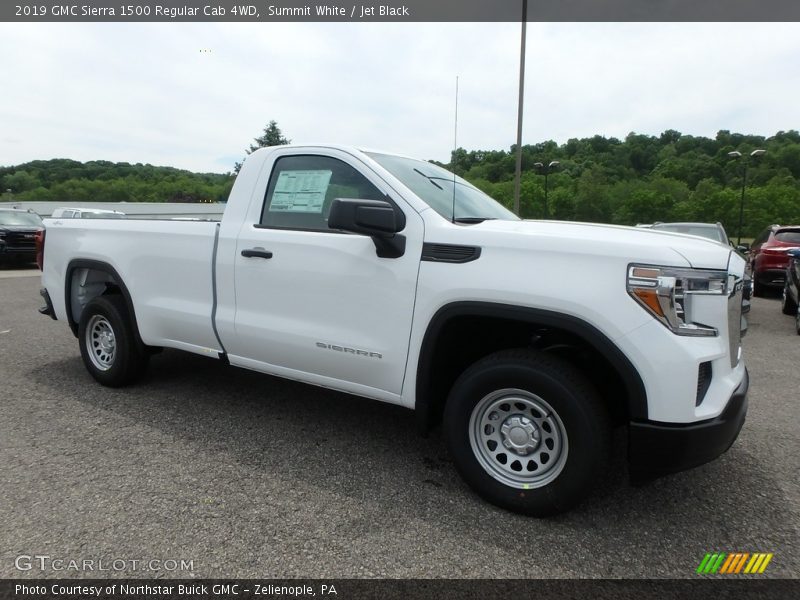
(18, 231)
(769, 258)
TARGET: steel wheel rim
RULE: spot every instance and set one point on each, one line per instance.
(101, 342)
(518, 438)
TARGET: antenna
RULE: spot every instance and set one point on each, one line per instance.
(455, 147)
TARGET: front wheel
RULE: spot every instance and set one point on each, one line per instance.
(109, 347)
(527, 432)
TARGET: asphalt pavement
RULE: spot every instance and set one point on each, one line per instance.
(247, 475)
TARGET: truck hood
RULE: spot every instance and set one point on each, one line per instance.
(22, 228)
(634, 243)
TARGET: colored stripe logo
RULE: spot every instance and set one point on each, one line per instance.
(734, 563)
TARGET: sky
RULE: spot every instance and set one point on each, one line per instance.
(194, 95)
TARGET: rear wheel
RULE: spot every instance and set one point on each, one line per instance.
(108, 343)
(527, 432)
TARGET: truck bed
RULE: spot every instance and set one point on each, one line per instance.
(166, 264)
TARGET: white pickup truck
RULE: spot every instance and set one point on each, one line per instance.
(390, 278)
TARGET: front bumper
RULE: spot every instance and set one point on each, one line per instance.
(772, 277)
(657, 449)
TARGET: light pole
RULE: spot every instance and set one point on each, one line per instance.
(518, 169)
(546, 170)
(736, 155)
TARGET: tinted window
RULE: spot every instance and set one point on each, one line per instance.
(761, 238)
(791, 236)
(90, 215)
(302, 188)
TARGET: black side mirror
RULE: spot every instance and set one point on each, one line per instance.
(371, 217)
(375, 218)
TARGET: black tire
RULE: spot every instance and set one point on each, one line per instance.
(537, 379)
(788, 305)
(758, 287)
(126, 363)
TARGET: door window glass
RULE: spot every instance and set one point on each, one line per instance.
(302, 188)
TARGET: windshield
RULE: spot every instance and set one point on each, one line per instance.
(711, 232)
(23, 219)
(434, 186)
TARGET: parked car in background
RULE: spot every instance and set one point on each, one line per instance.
(712, 231)
(86, 213)
(18, 231)
(791, 289)
(768, 256)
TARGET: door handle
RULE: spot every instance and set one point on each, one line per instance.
(256, 253)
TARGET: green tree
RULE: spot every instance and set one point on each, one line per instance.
(71, 181)
(272, 136)
(20, 181)
(591, 200)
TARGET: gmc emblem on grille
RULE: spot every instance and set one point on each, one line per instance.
(29, 236)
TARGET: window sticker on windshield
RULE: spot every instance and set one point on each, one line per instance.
(300, 191)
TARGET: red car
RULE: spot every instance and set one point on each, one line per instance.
(769, 258)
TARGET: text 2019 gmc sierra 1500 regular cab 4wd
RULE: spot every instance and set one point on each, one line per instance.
(390, 278)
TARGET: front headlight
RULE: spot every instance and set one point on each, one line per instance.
(666, 293)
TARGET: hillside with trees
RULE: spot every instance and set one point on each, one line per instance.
(641, 179)
(64, 180)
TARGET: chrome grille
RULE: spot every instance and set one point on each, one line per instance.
(735, 318)
(680, 300)
(20, 240)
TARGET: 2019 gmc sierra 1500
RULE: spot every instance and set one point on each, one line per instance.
(390, 278)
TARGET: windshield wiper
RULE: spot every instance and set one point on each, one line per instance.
(472, 220)
(429, 178)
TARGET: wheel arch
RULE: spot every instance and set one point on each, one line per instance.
(430, 394)
(116, 284)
